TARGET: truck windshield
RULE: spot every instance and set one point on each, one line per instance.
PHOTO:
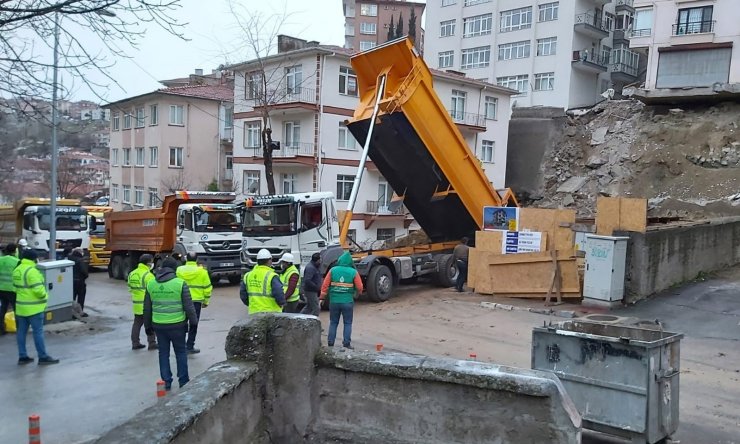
(99, 229)
(270, 219)
(65, 222)
(217, 220)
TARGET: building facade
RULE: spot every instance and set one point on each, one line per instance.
(555, 53)
(312, 92)
(367, 22)
(690, 46)
(171, 139)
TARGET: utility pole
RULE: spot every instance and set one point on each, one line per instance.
(54, 146)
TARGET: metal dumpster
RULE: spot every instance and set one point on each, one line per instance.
(623, 380)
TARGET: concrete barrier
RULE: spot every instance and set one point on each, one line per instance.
(280, 386)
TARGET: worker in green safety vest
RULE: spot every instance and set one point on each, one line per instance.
(200, 287)
(137, 281)
(341, 284)
(8, 262)
(291, 280)
(261, 289)
(30, 304)
(168, 309)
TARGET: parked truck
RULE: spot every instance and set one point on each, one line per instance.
(30, 219)
(207, 223)
(410, 137)
(99, 255)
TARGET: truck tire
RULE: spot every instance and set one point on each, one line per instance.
(128, 266)
(235, 280)
(379, 283)
(446, 271)
(115, 269)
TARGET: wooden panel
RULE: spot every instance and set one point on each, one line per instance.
(489, 241)
(619, 213)
(607, 215)
(538, 278)
(550, 221)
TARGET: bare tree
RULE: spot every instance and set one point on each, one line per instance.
(175, 182)
(73, 179)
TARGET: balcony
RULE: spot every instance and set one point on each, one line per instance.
(621, 36)
(622, 72)
(690, 28)
(645, 32)
(475, 122)
(625, 6)
(587, 24)
(383, 208)
(588, 61)
(287, 99)
(295, 154)
(227, 134)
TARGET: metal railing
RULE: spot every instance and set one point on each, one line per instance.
(624, 68)
(590, 56)
(645, 32)
(470, 119)
(688, 28)
(630, 3)
(285, 95)
(382, 207)
(227, 133)
(293, 150)
(590, 20)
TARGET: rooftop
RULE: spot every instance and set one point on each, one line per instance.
(221, 93)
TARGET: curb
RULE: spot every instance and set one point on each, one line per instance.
(543, 311)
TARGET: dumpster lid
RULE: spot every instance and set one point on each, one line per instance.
(48, 265)
(613, 333)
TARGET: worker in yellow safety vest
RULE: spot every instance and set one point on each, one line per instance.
(137, 280)
(261, 289)
(8, 262)
(291, 280)
(30, 305)
(200, 287)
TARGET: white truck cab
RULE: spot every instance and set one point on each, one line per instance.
(71, 225)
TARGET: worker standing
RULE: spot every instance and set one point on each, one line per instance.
(261, 289)
(200, 287)
(291, 280)
(8, 262)
(137, 281)
(22, 245)
(460, 256)
(312, 285)
(79, 278)
(30, 304)
(168, 309)
(341, 283)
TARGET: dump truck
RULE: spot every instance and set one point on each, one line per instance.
(99, 256)
(207, 223)
(411, 138)
(30, 219)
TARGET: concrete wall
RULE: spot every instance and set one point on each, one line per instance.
(662, 258)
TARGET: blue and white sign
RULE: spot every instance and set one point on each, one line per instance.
(521, 242)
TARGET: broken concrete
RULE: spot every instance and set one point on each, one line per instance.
(599, 135)
(572, 185)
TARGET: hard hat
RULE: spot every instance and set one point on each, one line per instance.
(287, 257)
(263, 254)
(23, 243)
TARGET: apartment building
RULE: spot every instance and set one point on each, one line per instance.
(313, 91)
(555, 53)
(170, 139)
(367, 22)
(692, 48)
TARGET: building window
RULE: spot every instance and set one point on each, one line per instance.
(116, 121)
(175, 157)
(548, 12)
(479, 57)
(446, 59)
(127, 157)
(544, 81)
(643, 22)
(487, 150)
(254, 87)
(694, 20)
(369, 10)
(347, 81)
(475, 2)
(252, 132)
(606, 53)
(516, 19)
(385, 234)
(292, 134)
(153, 198)
(515, 50)
(293, 79)
(478, 25)
(288, 183)
(153, 156)
(139, 196)
(365, 45)
(140, 157)
(448, 2)
(251, 182)
(368, 28)
(127, 194)
(609, 20)
(114, 157)
(127, 121)
(140, 117)
(114, 192)
(153, 114)
(176, 115)
(228, 117)
(491, 107)
(344, 186)
(458, 104)
(346, 139)
(447, 28)
(547, 46)
(519, 83)
(352, 234)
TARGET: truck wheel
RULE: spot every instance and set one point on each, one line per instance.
(127, 267)
(234, 280)
(380, 284)
(115, 270)
(446, 271)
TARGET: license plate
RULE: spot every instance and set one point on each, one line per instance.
(227, 264)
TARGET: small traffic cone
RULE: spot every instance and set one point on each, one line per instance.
(34, 429)
(160, 389)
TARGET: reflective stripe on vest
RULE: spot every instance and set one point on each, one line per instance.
(285, 279)
(342, 286)
(259, 289)
(166, 301)
(7, 265)
(197, 279)
(27, 304)
(137, 281)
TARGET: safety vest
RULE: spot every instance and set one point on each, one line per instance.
(342, 286)
(259, 289)
(198, 281)
(7, 265)
(285, 278)
(166, 301)
(30, 289)
(137, 281)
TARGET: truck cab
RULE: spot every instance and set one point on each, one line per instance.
(301, 224)
(99, 256)
(71, 228)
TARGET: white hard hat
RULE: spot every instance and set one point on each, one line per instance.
(263, 254)
(23, 243)
(287, 257)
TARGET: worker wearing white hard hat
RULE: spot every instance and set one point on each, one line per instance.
(22, 245)
(261, 289)
(291, 280)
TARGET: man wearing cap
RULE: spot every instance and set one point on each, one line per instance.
(291, 279)
(168, 309)
(261, 290)
(30, 304)
(312, 285)
(8, 262)
(137, 281)
(200, 287)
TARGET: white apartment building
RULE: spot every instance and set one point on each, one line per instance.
(555, 53)
(317, 92)
(692, 48)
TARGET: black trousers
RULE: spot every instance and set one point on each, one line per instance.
(7, 300)
(79, 290)
(193, 330)
(462, 274)
(136, 331)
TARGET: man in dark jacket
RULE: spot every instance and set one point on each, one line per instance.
(79, 278)
(312, 285)
(168, 309)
